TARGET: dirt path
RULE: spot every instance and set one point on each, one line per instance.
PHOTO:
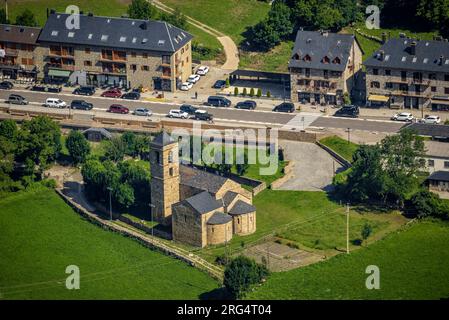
(229, 46)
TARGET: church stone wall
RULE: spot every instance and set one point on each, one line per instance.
(219, 233)
(244, 224)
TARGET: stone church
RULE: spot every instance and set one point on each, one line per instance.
(202, 208)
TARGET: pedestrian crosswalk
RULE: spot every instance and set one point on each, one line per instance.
(301, 121)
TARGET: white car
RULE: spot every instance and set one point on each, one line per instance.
(404, 116)
(55, 103)
(431, 120)
(186, 86)
(202, 70)
(143, 112)
(178, 114)
(194, 78)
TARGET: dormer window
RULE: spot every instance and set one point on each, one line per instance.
(307, 58)
(326, 60)
(295, 56)
(336, 60)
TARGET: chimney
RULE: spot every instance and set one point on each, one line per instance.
(440, 60)
(381, 55)
(384, 37)
(413, 48)
(324, 33)
(143, 26)
(90, 14)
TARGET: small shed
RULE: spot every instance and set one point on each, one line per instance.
(97, 134)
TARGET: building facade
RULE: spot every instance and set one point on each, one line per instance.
(437, 156)
(438, 183)
(324, 66)
(19, 52)
(409, 73)
(113, 51)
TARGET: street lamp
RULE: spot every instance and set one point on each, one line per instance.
(349, 135)
(151, 211)
(110, 202)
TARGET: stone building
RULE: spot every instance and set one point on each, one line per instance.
(19, 52)
(114, 51)
(409, 73)
(438, 183)
(202, 208)
(324, 66)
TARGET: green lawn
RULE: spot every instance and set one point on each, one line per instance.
(112, 8)
(231, 17)
(275, 60)
(341, 146)
(413, 265)
(40, 236)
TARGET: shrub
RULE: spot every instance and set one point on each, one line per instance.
(228, 83)
(244, 93)
(366, 231)
(236, 91)
(49, 183)
(251, 92)
(259, 93)
(429, 204)
(268, 94)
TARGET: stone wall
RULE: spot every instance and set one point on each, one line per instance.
(219, 234)
(244, 224)
(187, 226)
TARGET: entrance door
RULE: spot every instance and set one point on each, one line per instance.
(157, 84)
(407, 102)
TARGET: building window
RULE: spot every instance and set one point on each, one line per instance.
(375, 72)
(87, 50)
(133, 67)
(375, 84)
(431, 163)
(133, 54)
(158, 157)
(145, 68)
(446, 164)
(182, 51)
(170, 157)
(87, 63)
(145, 55)
(388, 72)
(432, 76)
(389, 85)
(446, 77)
(446, 90)
(434, 89)
(403, 75)
(170, 172)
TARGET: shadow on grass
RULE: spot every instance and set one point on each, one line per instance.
(216, 294)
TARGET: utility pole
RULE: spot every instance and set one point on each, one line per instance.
(151, 213)
(110, 202)
(6, 10)
(349, 135)
(347, 228)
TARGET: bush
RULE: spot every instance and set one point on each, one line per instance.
(49, 183)
(251, 92)
(228, 83)
(259, 93)
(236, 91)
(268, 94)
(429, 204)
(244, 93)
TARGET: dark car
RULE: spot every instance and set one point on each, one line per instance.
(348, 111)
(219, 84)
(112, 93)
(6, 85)
(81, 104)
(285, 107)
(84, 90)
(16, 99)
(131, 95)
(203, 115)
(118, 108)
(188, 108)
(217, 101)
(248, 104)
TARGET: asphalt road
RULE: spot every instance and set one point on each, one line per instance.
(256, 117)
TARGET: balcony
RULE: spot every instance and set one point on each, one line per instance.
(60, 54)
(166, 76)
(60, 66)
(9, 64)
(115, 58)
(114, 71)
(11, 52)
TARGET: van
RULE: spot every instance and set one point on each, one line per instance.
(16, 99)
(55, 103)
(217, 101)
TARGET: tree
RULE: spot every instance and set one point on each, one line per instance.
(26, 18)
(141, 9)
(366, 231)
(263, 36)
(245, 92)
(429, 204)
(137, 178)
(3, 19)
(259, 93)
(242, 168)
(8, 129)
(251, 92)
(177, 19)
(279, 19)
(115, 149)
(241, 273)
(78, 146)
(236, 91)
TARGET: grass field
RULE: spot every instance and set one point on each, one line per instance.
(275, 60)
(40, 236)
(340, 146)
(413, 265)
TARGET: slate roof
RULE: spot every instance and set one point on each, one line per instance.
(319, 45)
(219, 218)
(115, 32)
(105, 133)
(439, 176)
(203, 202)
(163, 139)
(229, 197)
(19, 34)
(398, 55)
(437, 149)
(200, 179)
(241, 207)
(429, 130)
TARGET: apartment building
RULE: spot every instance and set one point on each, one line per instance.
(18, 52)
(114, 51)
(409, 73)
(324, 66)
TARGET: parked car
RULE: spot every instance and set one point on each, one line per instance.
(348, 111)
(84, 90)
(118, 108)
(285, 107)
(203, 115)
(55, 103)
(217, 101)
(142, 112)
(46, 88)
(178, 114)
(404, 116)
(16, 99)
(186, 86)
(188, 108)
(194, 78)
(248, 104)
(202, 70)
(219, 84)
(6, 85)
(81, 105)
(431, 120)
(131, 95)
(112, 93)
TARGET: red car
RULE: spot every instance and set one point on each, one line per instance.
(118, 108)
(113, 93)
